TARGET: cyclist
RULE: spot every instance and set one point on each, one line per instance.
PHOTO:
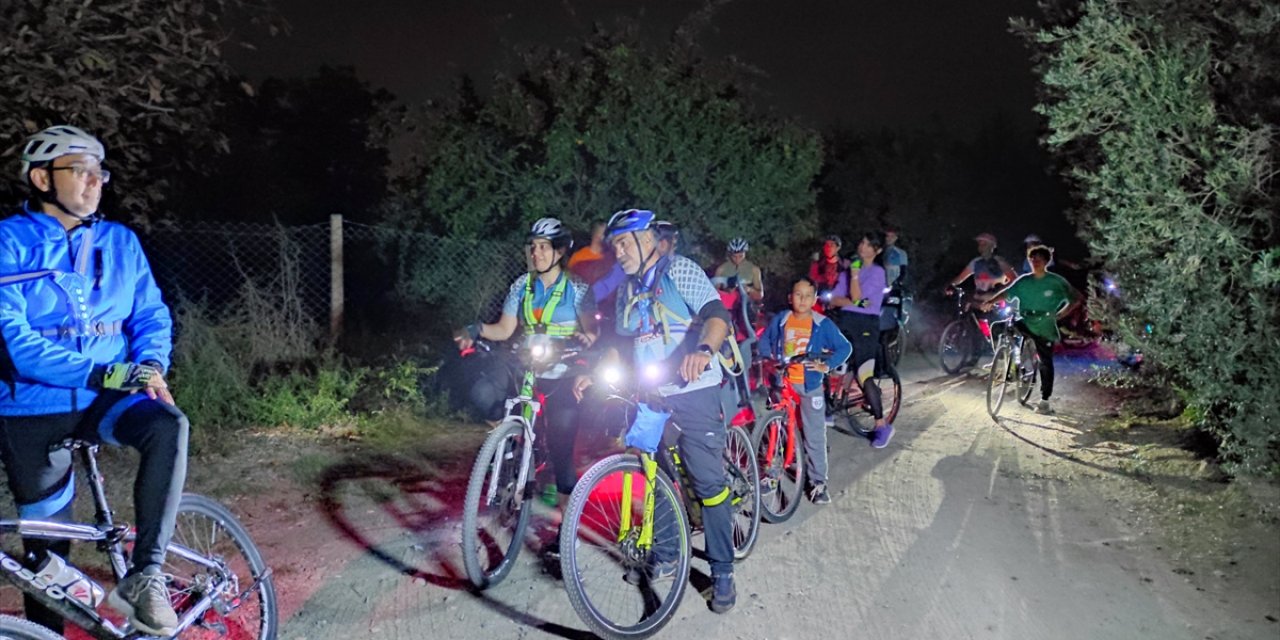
(1043, 298)
(674, 315)
(895, 259)
(87, 340)
(859, 295)
(593, 261)
(547, 299)
(1030, 241)
(988, 269)
(801, 330)
(825, 270)
(737, 266)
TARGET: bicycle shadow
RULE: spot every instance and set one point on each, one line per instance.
(373, 501)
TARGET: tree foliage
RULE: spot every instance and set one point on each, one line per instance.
(1165, 109)
(140, 74)
(579, 135)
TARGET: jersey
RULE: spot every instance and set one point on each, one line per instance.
(894, 260)
(529, 306)
(796, 334)
(987, 272)
(1040, 300)
(660, 318)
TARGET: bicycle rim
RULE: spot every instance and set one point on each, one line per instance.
(890, 393)
(1030, 370)
(210, 530)
(606, 572)
(12, 628)
(493, 526)
(744, 485)
(954, 348)
(781, 484)
(998, 381)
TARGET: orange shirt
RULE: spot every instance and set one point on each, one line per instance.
(795, 336)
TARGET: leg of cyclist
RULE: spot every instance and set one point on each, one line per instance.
(865, 337)
(702, 443)
(561, 411)
(813, 409)
(159, 432)
(43, 487)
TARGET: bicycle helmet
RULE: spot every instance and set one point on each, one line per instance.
(55, 142)
(551, 229)
(738, 245)
(833, 238)
(666, 230)
(629, 221)
(1032, 238)
(986, 237)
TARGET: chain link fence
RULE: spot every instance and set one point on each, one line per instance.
(343, 275)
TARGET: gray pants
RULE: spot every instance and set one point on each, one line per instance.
(813, 413)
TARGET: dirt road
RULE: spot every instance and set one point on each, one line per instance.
(962, 528)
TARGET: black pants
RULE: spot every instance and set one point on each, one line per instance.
(863, 332)
(42, 482)
(561, 411)
(1044, 348)
(702, 442)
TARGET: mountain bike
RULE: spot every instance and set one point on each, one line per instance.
(893, 341)
(1015, 360)
(495, 512)
(219, 584)
(961, 339)
(630, 509)
(780, 449)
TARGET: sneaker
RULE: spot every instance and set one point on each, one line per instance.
(1044, 408)
(144, 598)
(657, 570)
(881, 436)
(818, 493)
(723, 593)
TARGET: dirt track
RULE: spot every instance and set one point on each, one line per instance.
(962, 528)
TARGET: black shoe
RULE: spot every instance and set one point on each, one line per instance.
(723, 593)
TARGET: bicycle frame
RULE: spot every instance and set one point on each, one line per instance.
(529, 410)
(109, 537)
(788, 402)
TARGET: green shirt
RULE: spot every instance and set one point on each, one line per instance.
(1040, 300)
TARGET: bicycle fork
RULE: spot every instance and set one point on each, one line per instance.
(650, 466)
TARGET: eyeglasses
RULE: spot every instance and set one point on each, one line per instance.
(80, 173)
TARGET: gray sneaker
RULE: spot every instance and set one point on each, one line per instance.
(818, 494)
(1044, 408)
(144, 599)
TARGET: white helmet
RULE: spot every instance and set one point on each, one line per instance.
(58, 141)
(738, 245)
(551, 229)
(1032, 238)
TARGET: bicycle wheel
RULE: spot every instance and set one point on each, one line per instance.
(955, 347)
(999, 378)
(1030, 370)
(781, 484)
(244, 592)
(892, 343)
(890, 393)
(494, 524)
(611, 579)
(13, 628)
(744, 485)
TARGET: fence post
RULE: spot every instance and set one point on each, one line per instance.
(337, 299)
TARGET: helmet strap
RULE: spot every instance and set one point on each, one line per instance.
(51, 197)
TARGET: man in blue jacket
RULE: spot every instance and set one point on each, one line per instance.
(86, 341)
(803, 331)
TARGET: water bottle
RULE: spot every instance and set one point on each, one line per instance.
(56, 571)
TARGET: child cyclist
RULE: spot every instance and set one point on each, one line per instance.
(801, 330)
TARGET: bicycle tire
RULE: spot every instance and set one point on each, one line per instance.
(15, 628)
(504, 449)
(1030, 371)
(955, 347)
(891, 342)
(998, 381)
(782, 486)
(597, 559)
(199, 521)
(744, 487)
(890, 393)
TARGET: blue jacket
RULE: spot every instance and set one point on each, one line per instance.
(826, 343)
(58, 320)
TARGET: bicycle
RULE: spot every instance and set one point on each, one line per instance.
(219, 584)
(503, 477)
(630, 506)
(958, 346)
(1016, 359)
(780, 449)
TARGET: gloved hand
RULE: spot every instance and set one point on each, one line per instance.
(124, 376)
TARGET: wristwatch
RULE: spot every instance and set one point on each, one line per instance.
(705, 349)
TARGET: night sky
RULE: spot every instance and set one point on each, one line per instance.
(856, 64)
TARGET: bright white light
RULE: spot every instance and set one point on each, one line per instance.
(538, 351)
(611, 374)
(652, 371)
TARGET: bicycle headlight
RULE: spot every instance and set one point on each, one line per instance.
(611, 374)
(652, 372)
